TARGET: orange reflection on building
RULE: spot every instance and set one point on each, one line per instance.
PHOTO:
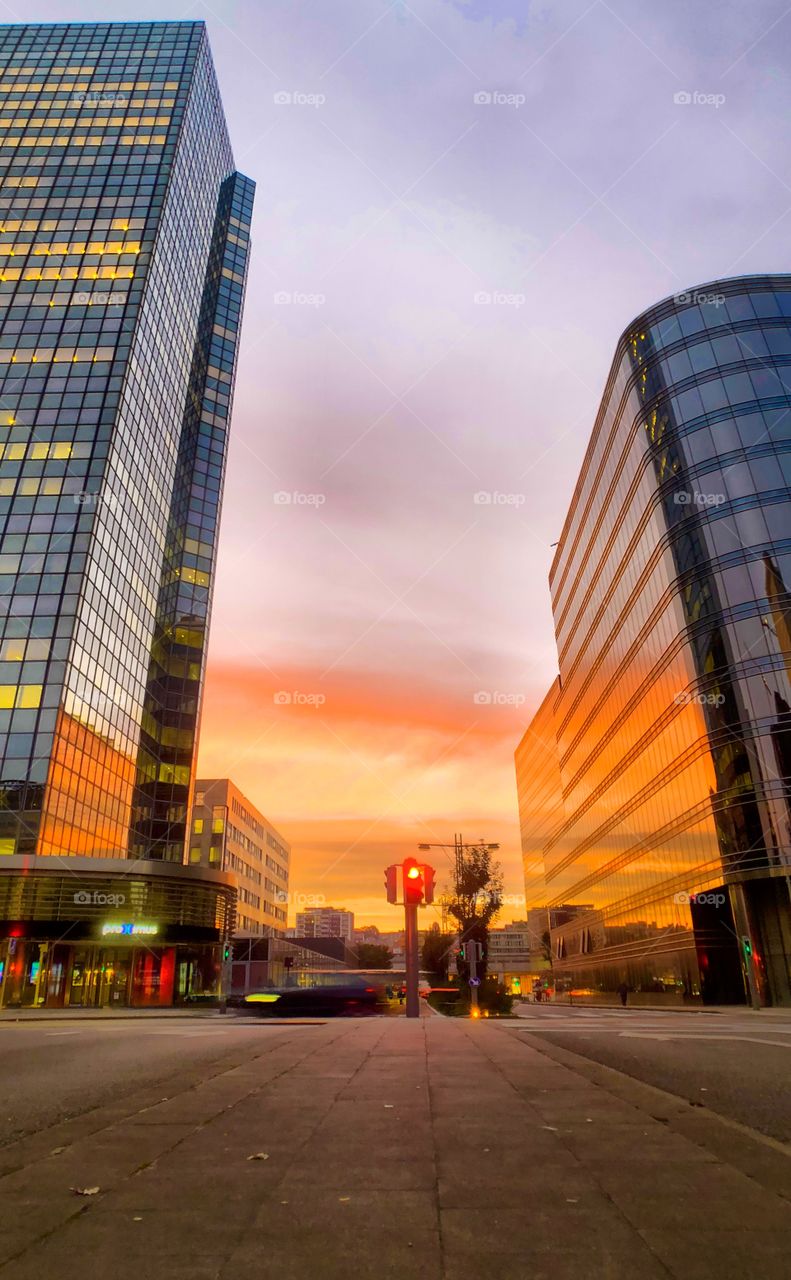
(88, 798)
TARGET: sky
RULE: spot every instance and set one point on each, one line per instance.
(460, 206)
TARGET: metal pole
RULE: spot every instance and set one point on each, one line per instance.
(744, 931)
(225, 978)
(410, 947)
(473, 946)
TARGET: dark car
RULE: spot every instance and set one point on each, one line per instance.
(346, 999)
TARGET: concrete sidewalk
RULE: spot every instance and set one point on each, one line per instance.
(388, 1150)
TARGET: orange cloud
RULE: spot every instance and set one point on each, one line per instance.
(357, 780)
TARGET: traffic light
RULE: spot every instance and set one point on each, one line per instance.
(413, 883)
(226, 951)
(747, 947)
(429, 876)
(410, 882)
(391, 883)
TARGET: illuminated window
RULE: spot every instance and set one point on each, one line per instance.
(7, 695)
(29, 695)
(177, 774)
(7, 845)
(197, 826)
(195, 853)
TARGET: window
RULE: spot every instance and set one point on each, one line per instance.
(197, 826)
(29, 695)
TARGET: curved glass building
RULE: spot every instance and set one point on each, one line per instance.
(671, 595)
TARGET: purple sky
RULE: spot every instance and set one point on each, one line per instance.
(579, 195)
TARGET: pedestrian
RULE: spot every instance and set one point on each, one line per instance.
(623, 992)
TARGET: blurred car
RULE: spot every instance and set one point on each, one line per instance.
(338, 999)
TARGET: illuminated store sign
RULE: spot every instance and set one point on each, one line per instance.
(129, 930)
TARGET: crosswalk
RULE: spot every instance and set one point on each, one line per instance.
(741, 1025)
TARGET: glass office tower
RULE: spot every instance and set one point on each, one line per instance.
(671, 593)
(124, 237)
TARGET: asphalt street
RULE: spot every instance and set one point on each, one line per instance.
(54, 1070)
(736, 1064)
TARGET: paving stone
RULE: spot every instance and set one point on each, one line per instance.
(736, 1254)
(396, 1150)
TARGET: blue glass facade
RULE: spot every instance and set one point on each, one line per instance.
(124, 237)
(672, 715)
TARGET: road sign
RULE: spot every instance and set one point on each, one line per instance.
(475, 982)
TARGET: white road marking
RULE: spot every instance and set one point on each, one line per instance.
(643, 1035)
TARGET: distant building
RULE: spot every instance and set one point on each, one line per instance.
(513, 958)
(325, 922)
(228, 833)
(509, 944)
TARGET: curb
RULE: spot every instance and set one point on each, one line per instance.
(54, 1015)
(636, 1008)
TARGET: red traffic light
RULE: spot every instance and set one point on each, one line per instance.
(413, 882)
(410, 882)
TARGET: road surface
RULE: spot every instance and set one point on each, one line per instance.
(438, 1149)
(737, 1064)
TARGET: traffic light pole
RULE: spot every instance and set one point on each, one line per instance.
(473, 946)
(410, 947)
(225, 976)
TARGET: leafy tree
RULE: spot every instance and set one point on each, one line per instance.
(475, 898)
(371, 955)
(436, 953)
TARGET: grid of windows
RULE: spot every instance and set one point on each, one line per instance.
(672, 719)
(123, 243)
(227, 834)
